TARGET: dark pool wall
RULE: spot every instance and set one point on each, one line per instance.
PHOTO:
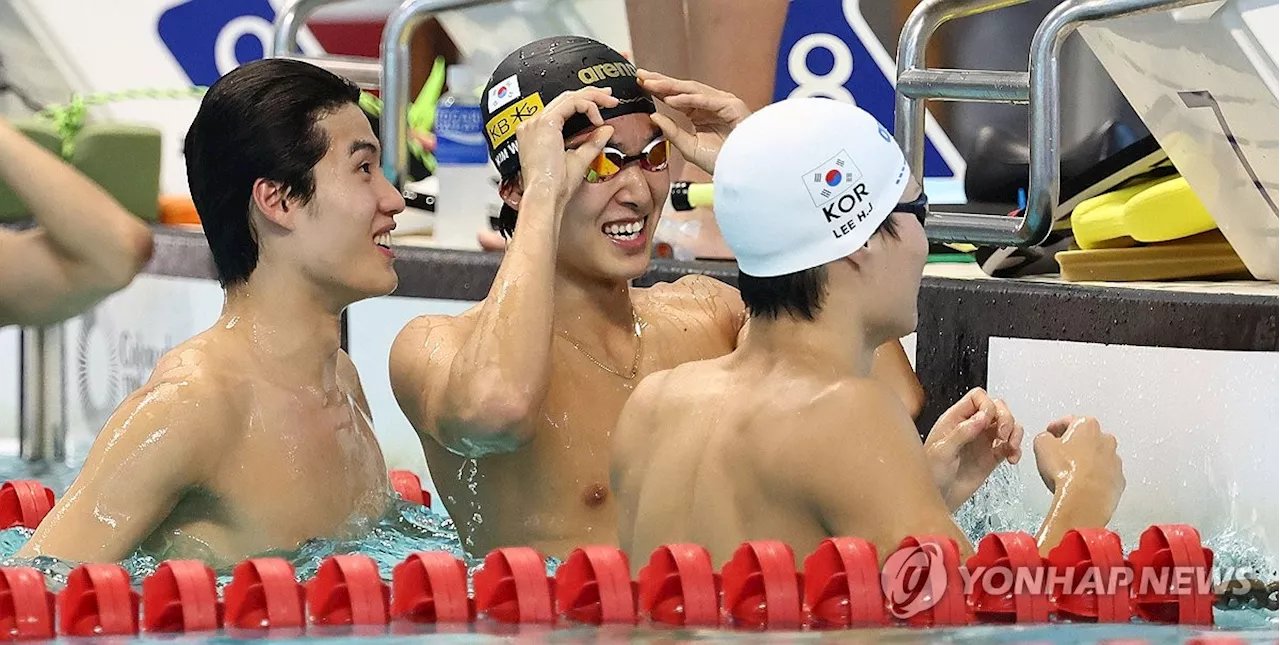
(957, 317)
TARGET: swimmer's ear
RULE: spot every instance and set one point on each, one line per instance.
(511, 191)
(271, 198)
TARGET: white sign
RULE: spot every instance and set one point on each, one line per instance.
(1196, 430)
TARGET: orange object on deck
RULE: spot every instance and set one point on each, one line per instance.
(178, 209)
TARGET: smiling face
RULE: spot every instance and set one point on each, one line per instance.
(607, 228)
(341, 237)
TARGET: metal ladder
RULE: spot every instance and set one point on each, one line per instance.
(1037, 87)
(390, 75)
(916, 83)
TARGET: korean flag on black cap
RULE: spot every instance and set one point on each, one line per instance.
(534, 75)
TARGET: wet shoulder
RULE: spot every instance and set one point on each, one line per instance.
(808, 425)
(199, 363)
(429, 332)
(686, 386)
(695, 298)
(196, 383)
(849, 407)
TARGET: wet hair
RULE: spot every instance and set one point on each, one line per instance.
(260, 121)
(799, 295)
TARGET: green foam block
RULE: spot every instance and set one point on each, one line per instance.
(125, 160)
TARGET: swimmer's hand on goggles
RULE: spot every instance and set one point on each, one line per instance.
(611, 161)
(714, 114)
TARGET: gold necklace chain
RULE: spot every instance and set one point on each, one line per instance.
(635, 363)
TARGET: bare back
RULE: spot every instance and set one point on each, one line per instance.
(219, 457)
(720, 452)
(553, 493)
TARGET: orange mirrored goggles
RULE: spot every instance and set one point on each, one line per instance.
(611, 161)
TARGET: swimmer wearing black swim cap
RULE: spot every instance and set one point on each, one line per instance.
(530, 77)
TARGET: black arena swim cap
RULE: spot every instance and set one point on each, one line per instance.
(537, 73)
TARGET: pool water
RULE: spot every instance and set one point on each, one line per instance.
(409, 528)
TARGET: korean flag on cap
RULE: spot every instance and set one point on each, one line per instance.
(504, 93)
(832, 178)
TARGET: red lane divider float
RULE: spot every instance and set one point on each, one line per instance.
(26, 605)
(842, 585)
(761, 586)
(98, 601)
(348, 590)
(1166, 580)
(513, 587)
(24, 503)
(263, 594)
(939, 557)
(1174, 576)
(181, 596)
(1008, 562)
(1096, 554)
(431, 588)
(409, 486)
(594, 586)
(680, 587)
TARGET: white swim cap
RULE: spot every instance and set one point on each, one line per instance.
(804, 182)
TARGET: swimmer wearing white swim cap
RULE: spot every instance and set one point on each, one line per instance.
(788, 437)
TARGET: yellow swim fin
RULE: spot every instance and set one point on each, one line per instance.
(1169, 210)
(1099, 222)
(1155, 211)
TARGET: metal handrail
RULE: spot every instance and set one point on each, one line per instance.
(290, 21)
(1042, 93)
(364, 72)
(42, 433)
(395, 78)
(392, 72)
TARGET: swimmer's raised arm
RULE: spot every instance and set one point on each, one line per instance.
(1079, 464)
(482, 382)
(165, 440)
(84, 247)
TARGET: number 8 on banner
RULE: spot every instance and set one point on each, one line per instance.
(828, 50)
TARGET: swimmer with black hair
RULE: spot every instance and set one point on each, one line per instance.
(515, 400)
(255, 435)
(790, 437)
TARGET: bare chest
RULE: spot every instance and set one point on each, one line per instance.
(306, 463)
